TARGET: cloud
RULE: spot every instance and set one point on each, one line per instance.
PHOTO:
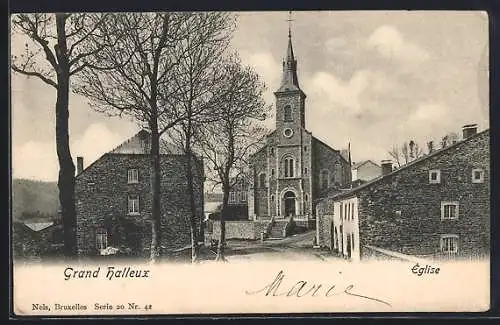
(95, 141)
(389, 43)
(335, 91)
(35, 160)
(38, 159)
(270, 71)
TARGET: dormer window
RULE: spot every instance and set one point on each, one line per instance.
(287, 113)
(434, 176)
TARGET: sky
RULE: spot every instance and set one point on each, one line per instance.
(372, 79)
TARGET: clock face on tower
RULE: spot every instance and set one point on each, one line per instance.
(288, 132)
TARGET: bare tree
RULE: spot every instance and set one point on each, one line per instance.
(406, 153)
(59, 46)
(227, 142)
(395, 153)
(145, 60)
(199, 78)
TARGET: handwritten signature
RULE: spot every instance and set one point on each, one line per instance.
(303, 288)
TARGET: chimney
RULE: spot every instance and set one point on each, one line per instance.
(79, 165)
(469, 130)
(386, 167)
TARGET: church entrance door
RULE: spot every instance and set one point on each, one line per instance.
(289, 204)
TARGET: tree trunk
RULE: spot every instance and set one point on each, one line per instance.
(156, 193)
(220, 248)
(192, 204)
(66, 180)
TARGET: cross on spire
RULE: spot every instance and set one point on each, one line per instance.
(289, 20)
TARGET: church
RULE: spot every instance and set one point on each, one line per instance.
(293, 169)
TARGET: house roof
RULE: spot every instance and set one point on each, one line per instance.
(412, 163)
(139, 144)
(361, 163)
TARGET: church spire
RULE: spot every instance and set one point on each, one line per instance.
(289, 80)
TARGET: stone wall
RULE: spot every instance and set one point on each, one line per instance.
(402, 211)
(102, 202)
(236, 230)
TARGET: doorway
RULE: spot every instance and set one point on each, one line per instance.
(289, 204)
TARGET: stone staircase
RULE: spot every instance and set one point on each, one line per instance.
(278, 229)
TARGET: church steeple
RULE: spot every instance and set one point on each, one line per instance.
(289, 80)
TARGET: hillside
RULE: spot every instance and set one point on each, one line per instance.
(34, 199)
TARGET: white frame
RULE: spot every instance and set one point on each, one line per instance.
(285, 131)
(99, 239)
(131, 172)
(444, 204)
(136, 207)
(442, 242)
(481, 178)
(438, 178)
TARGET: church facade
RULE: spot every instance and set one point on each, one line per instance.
(292, 170)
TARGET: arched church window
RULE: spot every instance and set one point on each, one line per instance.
(287, 113)
(324, 179)
(338, 173)
(262, 180)
(289, 166)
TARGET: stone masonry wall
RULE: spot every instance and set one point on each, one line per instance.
(102, 202)
(402, 212)
(236, 230)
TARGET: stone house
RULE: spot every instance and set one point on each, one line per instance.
(365, 171)
(114, 196)
(436, 206)
(293, 168)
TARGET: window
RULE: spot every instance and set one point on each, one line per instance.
(434, 176)
(289, 164)
(449, 210)
(449, 244)
(243, 196)
(272, 198)
(352, 241)
(232, 197)
(305, 171)
(325, 182)
(133, 204)
(271, 150)
(338, 173)
(101, 239)
(477, 175)
(305, 148)
(287, 113)
(345, 212)
(272, 172)
(307, 197)
(133, 176)
(352, 211)
(288, 132)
